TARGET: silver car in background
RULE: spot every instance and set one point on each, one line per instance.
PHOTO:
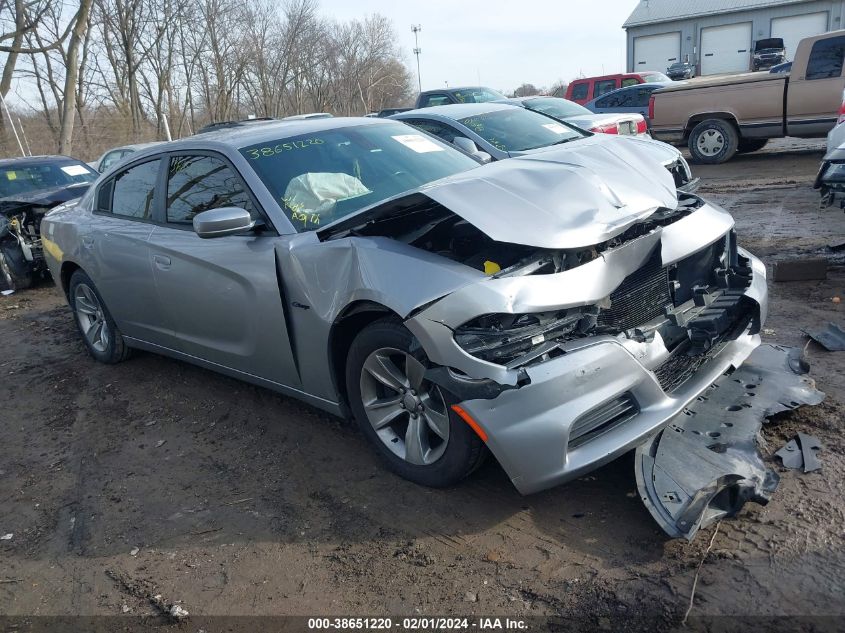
(554, 309)
(496, 131)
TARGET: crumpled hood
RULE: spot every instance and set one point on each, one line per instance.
(571, 196)
(44, 197)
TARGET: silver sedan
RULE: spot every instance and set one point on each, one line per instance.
(554, 310)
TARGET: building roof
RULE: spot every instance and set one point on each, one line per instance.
(654, 11)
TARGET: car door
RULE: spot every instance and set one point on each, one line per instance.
(814, 98)
(222, 295)
(118, 241)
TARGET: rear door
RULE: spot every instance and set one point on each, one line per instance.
(814, 98)
(124, 213)
(223, 295)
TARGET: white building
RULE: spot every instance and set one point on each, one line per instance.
(719, 35)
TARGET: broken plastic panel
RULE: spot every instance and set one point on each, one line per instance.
(705, 464)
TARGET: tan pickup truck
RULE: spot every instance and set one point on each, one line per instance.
(720, 116)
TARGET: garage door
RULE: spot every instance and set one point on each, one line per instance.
(656, 52)
(726, 49)
(797, 27)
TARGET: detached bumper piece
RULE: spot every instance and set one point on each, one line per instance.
(704, 465)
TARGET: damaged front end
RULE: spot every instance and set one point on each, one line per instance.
(601, 311)
(830, 181)
(21, 254)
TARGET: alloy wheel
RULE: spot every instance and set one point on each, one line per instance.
(91, 317)
(407, 412)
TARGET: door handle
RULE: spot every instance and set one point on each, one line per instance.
(161, 261)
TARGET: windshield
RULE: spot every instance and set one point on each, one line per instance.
(553, 106)
(518, 129)
(653, 77)
(25, 178)
(678, 66)
(321, 177)
(477, 95)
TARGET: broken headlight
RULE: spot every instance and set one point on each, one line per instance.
(501, 338)
(681, 173)
(834, 173)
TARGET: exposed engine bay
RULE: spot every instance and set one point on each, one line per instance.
(21, 254)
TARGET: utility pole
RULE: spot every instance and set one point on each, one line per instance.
(416, 28)
(12, 123)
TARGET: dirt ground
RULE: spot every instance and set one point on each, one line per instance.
(156, 477)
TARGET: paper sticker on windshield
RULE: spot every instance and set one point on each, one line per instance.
(557, 128)
(418, 143)
(10, 175)
(74, 170)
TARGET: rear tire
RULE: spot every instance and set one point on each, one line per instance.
(747, 145)
(94, 322)
(713, 141)
(407, 419)
(15, 272)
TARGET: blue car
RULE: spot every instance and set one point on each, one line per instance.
(629, 99)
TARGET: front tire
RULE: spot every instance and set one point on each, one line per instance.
(99, 333)
(407, 418)
(713, 141)
(15, 271)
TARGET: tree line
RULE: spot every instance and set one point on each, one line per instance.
(91, 74)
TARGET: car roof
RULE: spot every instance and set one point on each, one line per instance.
(451, 89)
(457, 111)
(37, 160)
(135, 146)
(243, 136)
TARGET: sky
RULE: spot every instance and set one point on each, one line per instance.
(502, 43)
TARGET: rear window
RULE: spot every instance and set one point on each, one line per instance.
(579, 91)
(553, 106)
(826, 59)
(477, 95)
(434, 100)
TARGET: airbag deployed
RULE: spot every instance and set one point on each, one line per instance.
(705, 464)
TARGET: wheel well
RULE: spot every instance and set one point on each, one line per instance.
(66, 272)
(698, 118)
(352, 320)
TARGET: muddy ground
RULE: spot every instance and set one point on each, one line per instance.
(156, 477)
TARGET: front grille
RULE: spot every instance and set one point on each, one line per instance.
(682, 366)
(603, 418)
(641, 297)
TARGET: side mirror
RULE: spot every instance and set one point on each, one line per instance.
(222, 221)
(469, 146)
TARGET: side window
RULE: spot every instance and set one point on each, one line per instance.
(826, 58)
(640, 97)
(134, 191)
(433, 127)
(630, 81)
(199, 183)
(612, 101)
(104, 197)
(580, 91)
(603, 87)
